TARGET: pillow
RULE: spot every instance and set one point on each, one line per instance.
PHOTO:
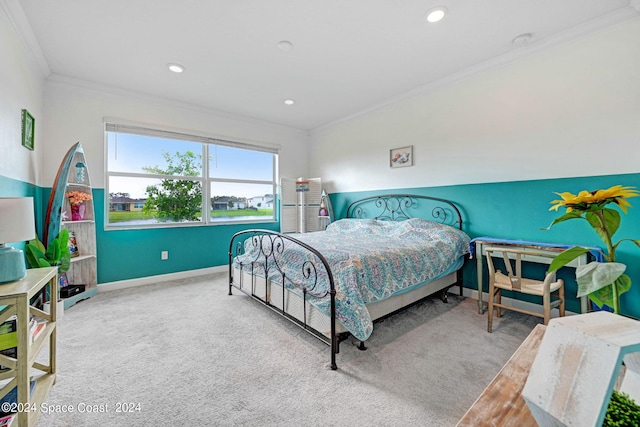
(359, 226)
(419, 228)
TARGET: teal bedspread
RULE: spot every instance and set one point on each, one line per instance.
(370, 261)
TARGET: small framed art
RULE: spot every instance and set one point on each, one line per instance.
(401, 157)
(28, 126)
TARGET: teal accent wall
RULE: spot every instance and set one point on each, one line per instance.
(130, 254)
(520, 210)
(509, 210)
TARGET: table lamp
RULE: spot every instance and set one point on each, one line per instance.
(17, 224)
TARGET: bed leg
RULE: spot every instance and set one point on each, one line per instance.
(335, 349)
(362, 347)
(444, 297)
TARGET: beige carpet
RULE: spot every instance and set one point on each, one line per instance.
(185, 353)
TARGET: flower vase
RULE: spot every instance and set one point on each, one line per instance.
(77, 211)
(594, 307)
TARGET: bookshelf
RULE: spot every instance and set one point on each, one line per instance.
(15, 300)
(73, 176)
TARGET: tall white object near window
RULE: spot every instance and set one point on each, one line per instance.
(300, 202)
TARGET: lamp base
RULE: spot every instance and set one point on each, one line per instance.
(12, 266)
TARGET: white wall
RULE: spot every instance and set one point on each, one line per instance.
(75, 111)
(21, 82)
(568, 111)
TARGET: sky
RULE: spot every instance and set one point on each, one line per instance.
(129, 153)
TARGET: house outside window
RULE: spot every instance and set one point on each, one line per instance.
(160, 178)
(262, 202)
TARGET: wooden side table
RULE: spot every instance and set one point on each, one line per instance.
(501, 404)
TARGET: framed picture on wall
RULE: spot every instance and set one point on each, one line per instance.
(401, 157)
(28, 126)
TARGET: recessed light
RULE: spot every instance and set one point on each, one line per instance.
(176, 68)
(436, 14)
(289, 101)
(285, 45)
(523, 39)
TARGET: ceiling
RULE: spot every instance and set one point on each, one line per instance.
(347, 56)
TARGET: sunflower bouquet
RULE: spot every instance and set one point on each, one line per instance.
(603, 282)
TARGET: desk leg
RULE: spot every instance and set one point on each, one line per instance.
(479, 266)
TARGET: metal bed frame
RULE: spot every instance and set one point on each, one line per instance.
(389, 207)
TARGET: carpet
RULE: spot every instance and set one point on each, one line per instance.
(186, 353)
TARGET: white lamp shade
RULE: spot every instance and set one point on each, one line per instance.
(17, 222)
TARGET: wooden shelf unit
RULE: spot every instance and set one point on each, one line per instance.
(16, 298)
(83, 270)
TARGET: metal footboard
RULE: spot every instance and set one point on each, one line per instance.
(266, 263)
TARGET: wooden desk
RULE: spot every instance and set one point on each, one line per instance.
(501, 403)
(482, 242)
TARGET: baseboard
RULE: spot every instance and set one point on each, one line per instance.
(149, 280)
(525, 305)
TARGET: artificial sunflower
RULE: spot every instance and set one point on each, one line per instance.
(603, 282)
(590, 200)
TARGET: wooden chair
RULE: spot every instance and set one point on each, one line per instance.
(498, 281)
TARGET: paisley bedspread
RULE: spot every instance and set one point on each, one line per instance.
(370, 260)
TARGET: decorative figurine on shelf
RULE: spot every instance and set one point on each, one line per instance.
(73, 245)
(80, 170)
(323, 208)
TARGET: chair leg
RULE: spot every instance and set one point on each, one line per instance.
(499, 309)
(490, 309)
(546, 302)
(561, 295)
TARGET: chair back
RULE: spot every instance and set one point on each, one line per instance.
(514, 266)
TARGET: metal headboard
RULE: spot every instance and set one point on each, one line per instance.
(399, 207)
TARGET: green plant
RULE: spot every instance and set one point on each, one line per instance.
(604, 282)
(56, 254)
(622, 411)
(176, 199)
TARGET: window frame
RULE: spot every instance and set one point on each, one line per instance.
(207, 145)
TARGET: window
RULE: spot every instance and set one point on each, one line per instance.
(159, 178)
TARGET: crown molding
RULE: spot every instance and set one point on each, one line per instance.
(62, 80)
(632, 11)
(14, 12)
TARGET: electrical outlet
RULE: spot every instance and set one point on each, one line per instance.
(164, 255)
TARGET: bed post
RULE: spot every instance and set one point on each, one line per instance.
(231, 265)
(334, 338)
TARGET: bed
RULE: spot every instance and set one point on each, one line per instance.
(389, 252)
